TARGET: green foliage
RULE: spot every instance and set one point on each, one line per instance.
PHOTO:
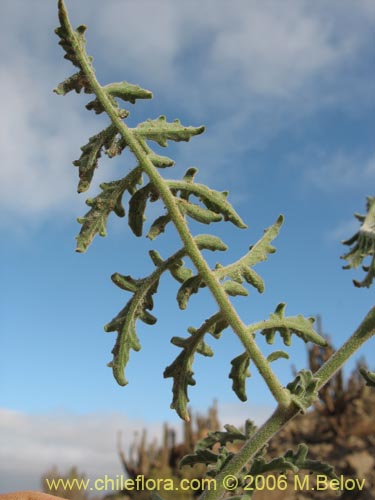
(304, 389)
(216, 460)
(183, 200)
(363, 245)
(368, 376)
(297, 325)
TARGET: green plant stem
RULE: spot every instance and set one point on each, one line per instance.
(228, 311)
(364, 332)
(281, 416)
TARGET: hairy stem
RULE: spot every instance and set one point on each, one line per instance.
(281, 416)
(192, 250)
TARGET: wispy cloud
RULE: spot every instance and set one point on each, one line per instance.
(32, 444)
(343, 231)
(252, 69)
(341, 171)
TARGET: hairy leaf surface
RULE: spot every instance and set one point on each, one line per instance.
(161, 131)
(363, 245)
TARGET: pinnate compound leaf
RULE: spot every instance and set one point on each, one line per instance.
(287, 326)
(181, 369)
(304, 389)
(91, 153)
(161, 131)
(363, 245)
(368, 376)
(110, 199)
(239, 373)
(295, 462)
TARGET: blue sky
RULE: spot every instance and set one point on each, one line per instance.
(287, 96)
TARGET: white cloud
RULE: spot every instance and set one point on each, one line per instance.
(264, 49)
(254, 69)
(343, 231)
(341, 171)
(32, 444)
(237, 413)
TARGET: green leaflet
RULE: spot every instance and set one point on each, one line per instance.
(230, 435)
(287, 326)
(76, 82)
(161, 131)
(304, 389)
(181, 368)
(215, 201)
(158, 226)
(127, 91)
(368, 376)
(239, 373)
(233, 289)
(70, 39)
(125, 321)
(115, 147)
(122, 90)
(110, 199)
(295, 462)
(210, 242)
(137, 207)
(198, 213)
(274, 356)
(201, 456)
(177, 269)
(188, 287)
(160, 161)
(217, 206)
(241, 270)
(91, 152)
(363, 245)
